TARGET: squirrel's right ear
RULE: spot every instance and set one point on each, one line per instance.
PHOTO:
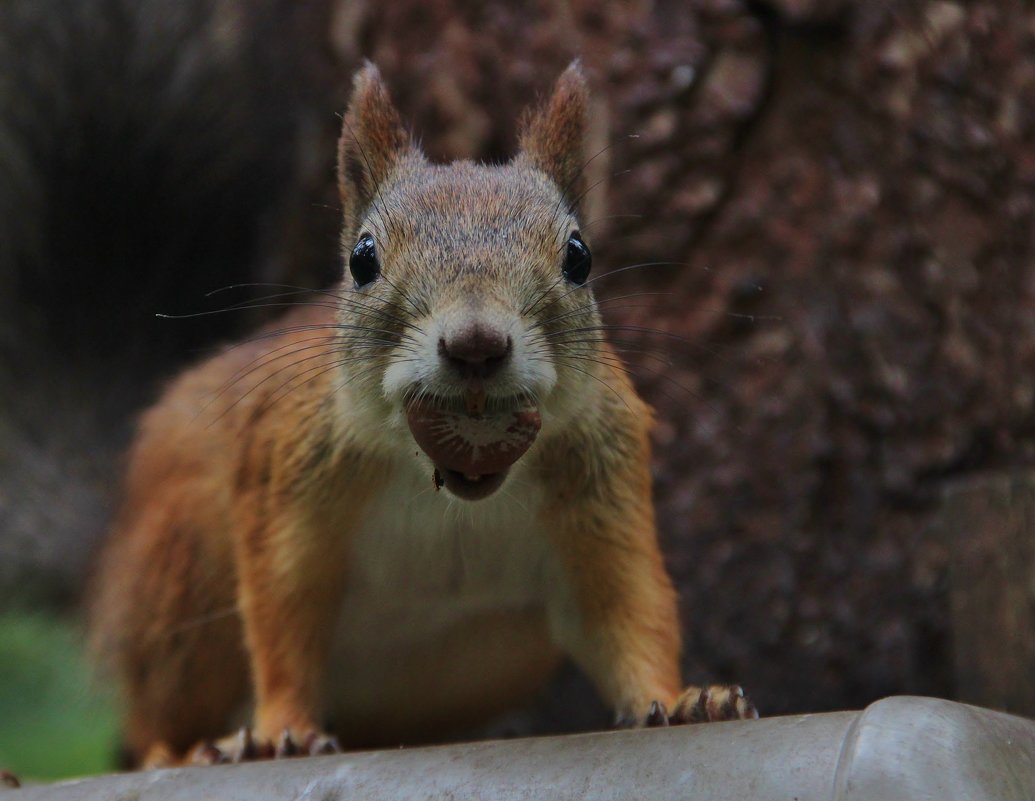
(372, 142)
(554, 135)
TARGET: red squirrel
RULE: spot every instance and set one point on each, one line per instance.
(392, 513)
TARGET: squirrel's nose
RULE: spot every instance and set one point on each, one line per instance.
(476, 350)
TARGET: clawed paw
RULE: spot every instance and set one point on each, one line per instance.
(243, 746)
(711, 704)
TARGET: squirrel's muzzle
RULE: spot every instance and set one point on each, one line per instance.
(476, 350)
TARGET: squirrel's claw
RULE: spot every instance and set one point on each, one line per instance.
(317, 744)
(207, 753)
(657, 716)
(248, 748)
(286, 746)
(712, 704)
(243, 746)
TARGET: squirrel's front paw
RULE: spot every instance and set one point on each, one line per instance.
(245, 747)
(711, 704)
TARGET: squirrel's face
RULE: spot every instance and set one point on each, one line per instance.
(466, 286)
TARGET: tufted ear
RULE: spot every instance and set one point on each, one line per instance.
(372, 143)
(553, 136)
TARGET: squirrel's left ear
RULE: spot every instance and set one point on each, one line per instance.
(372, 142)
(553, 136)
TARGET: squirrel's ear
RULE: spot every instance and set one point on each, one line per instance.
(553, 136)
(372, 141)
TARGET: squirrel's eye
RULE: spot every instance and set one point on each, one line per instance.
(577, 260)
(363, 262)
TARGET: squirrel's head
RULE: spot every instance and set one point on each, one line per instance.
(465, 301)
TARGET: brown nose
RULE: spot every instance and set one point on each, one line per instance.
(475, 351)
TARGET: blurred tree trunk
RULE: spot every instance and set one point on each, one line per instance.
(989, 527)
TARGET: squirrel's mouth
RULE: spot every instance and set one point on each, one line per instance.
(472, 453)
(469, 487)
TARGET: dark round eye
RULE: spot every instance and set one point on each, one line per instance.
(363, 262)
(577, 260)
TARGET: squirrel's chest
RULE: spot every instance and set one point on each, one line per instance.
(422, 562)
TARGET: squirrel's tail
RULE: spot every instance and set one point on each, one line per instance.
(144, 146)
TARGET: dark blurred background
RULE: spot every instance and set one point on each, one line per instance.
(843, 191)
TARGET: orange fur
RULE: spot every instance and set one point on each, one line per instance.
(261, 566)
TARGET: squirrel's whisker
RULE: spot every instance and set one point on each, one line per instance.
(711, 351)
(595, 220)
(328, 339)
(341, 300)
(567, 363)
(211, 312)
(602, 302)
(330, 342)
(321, 369)
(325, 354)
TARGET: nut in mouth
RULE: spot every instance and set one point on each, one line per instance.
(472, 452)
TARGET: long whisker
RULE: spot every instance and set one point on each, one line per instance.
(597, 303)
(597, 350)
(277, 394)
(699, 346)
(211, 312)
(324, 371)
(358, 374)
(420, 312)
(595, 220)
(370, 169)
(270, 377)
(201, 620)
(320, 369)
(575, 203)
(384, 315)
(638, 370)
(244, 371)
(265, 360)
(223, 347)
(578, 176)
(638, 266)
(297, 290)
(389, 335)
(571, 366)
(640, 329)
(530, 308)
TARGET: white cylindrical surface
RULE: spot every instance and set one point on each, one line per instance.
(899, 749)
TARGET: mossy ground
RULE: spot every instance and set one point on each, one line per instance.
(55, 721)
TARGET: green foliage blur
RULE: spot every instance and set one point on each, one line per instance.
(55, 721)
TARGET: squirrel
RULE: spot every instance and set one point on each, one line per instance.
(412, 496)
